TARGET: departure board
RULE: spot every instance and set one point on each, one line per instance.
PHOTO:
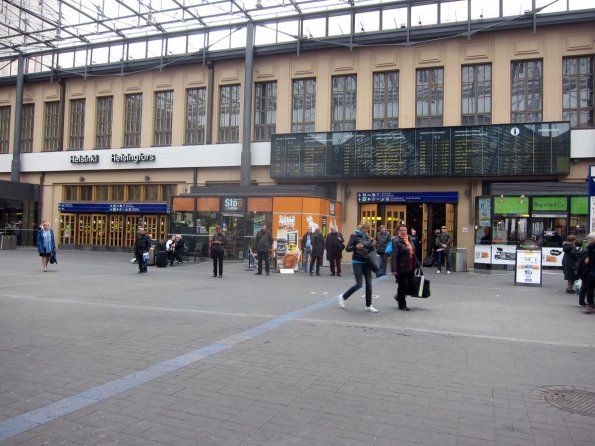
(488, 150)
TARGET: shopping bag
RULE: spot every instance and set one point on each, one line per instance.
(420, 285)
(389, 248)
(426, 289)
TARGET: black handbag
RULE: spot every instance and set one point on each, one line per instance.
(374, 260)
(53, 259)
(419, 286)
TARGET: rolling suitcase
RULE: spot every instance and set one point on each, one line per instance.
(161, 259)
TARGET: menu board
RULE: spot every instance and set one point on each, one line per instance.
(488, 150)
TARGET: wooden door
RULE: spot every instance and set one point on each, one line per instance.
(99, 232)
(150, 223)
(68, 229)
(84, 230)
(131, 222)
(115, 235)
(370, 213)
(162, 228)
(395, 215)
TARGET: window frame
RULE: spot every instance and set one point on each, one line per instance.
(196, 115)
(133, 118)
(385, 100)
(52, 126)
(229, 114)
(103, 122)
(163, 121)
(5, 129)
(76, 135)
(433, 101)
(344, 103)
(265, 110)
(526, 87)
(27, 126)
(582, 81)
(477, 83)
(303, 105)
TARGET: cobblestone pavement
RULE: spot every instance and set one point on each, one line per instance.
(92, 353)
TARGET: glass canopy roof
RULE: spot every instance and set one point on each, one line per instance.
(87, 32)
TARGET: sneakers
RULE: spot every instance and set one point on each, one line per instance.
(447, 272)
(438, 272)
(341, 301)
(371, 309)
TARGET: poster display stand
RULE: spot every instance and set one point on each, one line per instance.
(528, 263)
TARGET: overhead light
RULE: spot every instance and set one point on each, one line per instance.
(259, 4)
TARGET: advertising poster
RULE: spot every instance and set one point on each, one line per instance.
(503, 254)
(552, 256)
(528, 268)
(483, 254)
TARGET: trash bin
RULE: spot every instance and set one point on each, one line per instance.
(8, 241)
(458, 259)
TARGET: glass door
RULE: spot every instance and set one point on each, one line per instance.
(233, 228)
(549, 230)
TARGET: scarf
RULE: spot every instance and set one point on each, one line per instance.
(409, 246)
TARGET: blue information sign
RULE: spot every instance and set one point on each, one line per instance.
(407, 197)
(143, 208)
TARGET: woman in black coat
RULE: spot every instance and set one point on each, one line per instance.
(570, 261)
(403, 264)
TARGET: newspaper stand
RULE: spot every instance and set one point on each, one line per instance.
(528, 264)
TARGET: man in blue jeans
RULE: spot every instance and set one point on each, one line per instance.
(443, 245)
(306, 245)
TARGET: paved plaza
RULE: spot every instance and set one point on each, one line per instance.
(92, 353)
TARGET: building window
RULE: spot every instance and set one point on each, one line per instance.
(77, 124)
(70, 193)
(117, 192)
(229, 116)
(386, 100)
(53, 122)
(196, 109)
(430, 97)
(344, 103)
(133, 119)
(152, 192)
(102, 193)
(265, 111)
(164, 115)
(86, 193)
(476, 95)
(4, 129)
(526, 91)
(134, 192)
(27, 128)
(577, 91)
(104, 123)
(303, 117)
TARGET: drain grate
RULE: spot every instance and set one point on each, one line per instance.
(581, 402)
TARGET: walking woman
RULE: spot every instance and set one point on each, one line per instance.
(360, 245)
(46, 244)
(217, 250)
(403, 263)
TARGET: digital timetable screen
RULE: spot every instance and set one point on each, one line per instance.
(487, 150)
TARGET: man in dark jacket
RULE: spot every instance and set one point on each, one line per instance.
(382, 240)
(443, 245)
(335, 244)
(263, 247)
(570, 260)
(141, 245)
(317, 251)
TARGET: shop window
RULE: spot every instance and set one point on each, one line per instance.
(27, 128)
(164, 113)
(429, 97)
(196, 106)
(77, 124)
(476, 95)
(344, 103)
(303, 117)
(104, 123)
(386, 100)
(229, 114)
(265, 111)
(53, 123)
(117, 192)
(86, 193)
(101, 193)
(134, 192)
(70, 193)
(4, 129)
(133, 120)
(151, 192)
(526, 91)
(168, 191)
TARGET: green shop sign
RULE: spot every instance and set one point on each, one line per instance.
(579, 205)
(550, 204)
(511, 205)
